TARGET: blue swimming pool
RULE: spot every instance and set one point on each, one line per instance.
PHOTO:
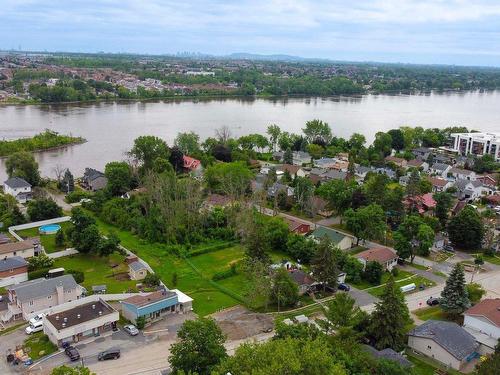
(49, 229)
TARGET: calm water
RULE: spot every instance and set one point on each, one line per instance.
(110, 128)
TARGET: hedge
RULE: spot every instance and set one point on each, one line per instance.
(209, 249)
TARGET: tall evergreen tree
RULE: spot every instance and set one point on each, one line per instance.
(324, 264)
(389, 319)
(444, 202)
(288, 156)
(454, 297)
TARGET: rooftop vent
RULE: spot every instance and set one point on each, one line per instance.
(65, 319)
(93, 307)
(57, 317)
(78, 316)
(100, 313)
(63, 325)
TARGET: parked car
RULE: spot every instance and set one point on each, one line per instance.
(344, 287)
(131, 330)
(109, 354)
(433, 301)
(37, 318)
(72, 353)
(32, 328)
(448, 247)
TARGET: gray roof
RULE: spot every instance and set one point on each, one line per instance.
(461, 184)
(17, 182)
(440, 166)
(137, 266)
(389, 354)
(453, 338)
(362, 169)
(335, 175)
(91, 174)
(34, 289)
(318, 171)
(12, 263)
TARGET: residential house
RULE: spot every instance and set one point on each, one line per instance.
(462, 174)
(400, 162)
(493, 199)
(439, 242)
(293, 170)
(277, 187)
(439, 184)
(361, 171)
(483, 321)
(304, 281)
(388, 354)
(445, 342)
(217, 200)
(94, 180)
(29, 297)
(320, 206)
(459, 206)
(439, 169)
(326, 163)
(334, 174)
(487, 180)
(297, 226)
(191, 164)
(137, 270)
(387, 258)
(421, 153)
(301, 158)
(18, 188)
(13, 270)
(342, 241)
(471, 190)
(25, 249)
(443, 159)
(80, 322)
(156, 305)
(387, 171)
(418, 164)
(403, 180)
(420, 203)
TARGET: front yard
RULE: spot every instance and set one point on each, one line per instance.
(415, 279)
(48, 240)
(110, 271)
(428, 313)
(38, 345)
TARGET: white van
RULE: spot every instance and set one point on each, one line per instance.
(32, 328)
(37, 318)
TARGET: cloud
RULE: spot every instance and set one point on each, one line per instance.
(303, 27)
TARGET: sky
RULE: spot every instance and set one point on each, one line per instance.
(461, 32)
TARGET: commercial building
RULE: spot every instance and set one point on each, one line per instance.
(83, 321)
(476, 144)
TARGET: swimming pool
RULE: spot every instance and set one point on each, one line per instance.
(49, 229)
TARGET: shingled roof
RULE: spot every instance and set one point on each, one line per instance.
(450, 336)
(488, 308)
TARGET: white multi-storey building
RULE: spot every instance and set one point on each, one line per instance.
(476, 144)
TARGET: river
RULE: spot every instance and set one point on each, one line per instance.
(111, 127)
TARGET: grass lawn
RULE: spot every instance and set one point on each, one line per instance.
(433, 312)
(98, 271)
(418, 266)
(491, 259)
(48, 240)
(417, 280)
(385, 277)
(427, 366)
(38, 345)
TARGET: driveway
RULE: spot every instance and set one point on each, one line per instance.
(9, 342)
(362, 298)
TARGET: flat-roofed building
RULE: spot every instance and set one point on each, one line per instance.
(83, 321)
(476, 144)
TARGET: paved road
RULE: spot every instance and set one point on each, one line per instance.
(59, 199)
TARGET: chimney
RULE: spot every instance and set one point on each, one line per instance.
(100, 313)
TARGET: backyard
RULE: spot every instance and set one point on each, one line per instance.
(110, 271)
(48, 240)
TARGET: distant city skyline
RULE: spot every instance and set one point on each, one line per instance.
(454, 32)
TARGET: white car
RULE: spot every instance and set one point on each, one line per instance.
(37, 318)
(131, 330)
(32, 328)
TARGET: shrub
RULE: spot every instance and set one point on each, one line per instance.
(39, 262)
(36, 274)
(225, 274)
(77, 275)
(395, 272)
(152, 279)
(77, 196)
(140, 322)
(60, 238)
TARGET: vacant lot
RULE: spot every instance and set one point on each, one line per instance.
(48, 240)
(110, 271)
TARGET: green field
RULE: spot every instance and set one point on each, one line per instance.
(110, 271)
(48, 240)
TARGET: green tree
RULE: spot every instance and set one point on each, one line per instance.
(444, 201)
(375, 187)
(454, 297)
(274, 132)
(475, 292)
(140, 322)
(303, 191)
(232, 179)
(22, 164)
(373, 272)
(66, 370)
(389, 319)
(43, 209)
(491, 366)
(366, 223)
(316, 151)
(288, 156)
(287, 356)
(176, 158)
(109, 245)
(200, 347)
(152, 279)
(285, 291)
(148, 148)
(338, 194)
(466, 229)
(357, 141)
(300, 248)
(397, 137)
(67, 184)
(341, 314)
(119, 177)
(413, 186)
(188, 143)
(324, 264)
(413, 237)
(383, 143)
(60, 239)
(317, 130)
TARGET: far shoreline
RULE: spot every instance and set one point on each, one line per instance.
(71, 144)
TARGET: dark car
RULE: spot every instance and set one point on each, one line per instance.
(448, 247)
(72, 353)
(433, 301)
(109, 354)
(344, 287)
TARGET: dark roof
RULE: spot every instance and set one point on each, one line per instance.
(12, 263)
(92, 174)
(335, 175)
(80, 314)
(301, 278)
(440, 166)
(389, 354)
(17, 182)
(34, 289)
(450, 336)
(141, 300)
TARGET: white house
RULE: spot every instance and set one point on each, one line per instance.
(387, 258)
(462, 174)
(471, 190)
(18, 188)
(439, 169)
(483, 322)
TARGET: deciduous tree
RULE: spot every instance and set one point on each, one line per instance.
(22, 164)
(466, 229)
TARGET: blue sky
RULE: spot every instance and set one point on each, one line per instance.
(417, 31)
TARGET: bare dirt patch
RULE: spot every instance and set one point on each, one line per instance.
(239, 323)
